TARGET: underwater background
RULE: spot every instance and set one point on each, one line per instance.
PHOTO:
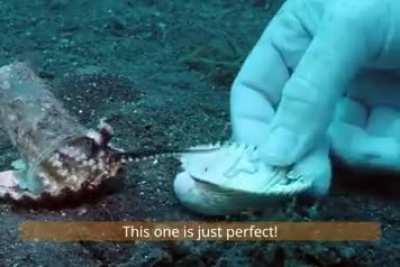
(160, 72)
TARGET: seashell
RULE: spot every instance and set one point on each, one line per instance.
(60, 156)
(232, 178)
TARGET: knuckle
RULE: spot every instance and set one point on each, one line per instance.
(302, 90)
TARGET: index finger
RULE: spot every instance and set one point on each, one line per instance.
(258, 86)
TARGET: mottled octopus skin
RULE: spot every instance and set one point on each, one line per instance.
(60, 154)
(63, 156)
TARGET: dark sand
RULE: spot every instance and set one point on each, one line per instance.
(160, 72)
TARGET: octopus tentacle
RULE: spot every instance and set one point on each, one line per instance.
(60, 154)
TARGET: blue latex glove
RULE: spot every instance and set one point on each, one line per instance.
(365, 132)
(284, 97)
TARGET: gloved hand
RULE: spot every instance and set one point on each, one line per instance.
(365, 132)
(312, 52)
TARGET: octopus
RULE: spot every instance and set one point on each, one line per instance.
(61, 157)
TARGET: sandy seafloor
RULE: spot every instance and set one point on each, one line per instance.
(160, 72)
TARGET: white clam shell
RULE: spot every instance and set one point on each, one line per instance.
(232, 178)
(238, 167)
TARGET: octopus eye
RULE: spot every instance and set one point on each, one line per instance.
(87, 145)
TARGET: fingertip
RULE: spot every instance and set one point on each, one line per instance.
(281, 147)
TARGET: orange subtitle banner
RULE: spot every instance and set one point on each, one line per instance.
(190, 230)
